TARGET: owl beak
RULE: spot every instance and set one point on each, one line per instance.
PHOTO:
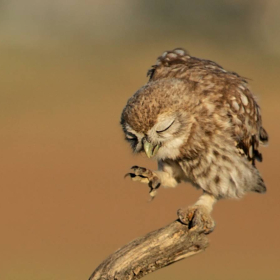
(150, 149)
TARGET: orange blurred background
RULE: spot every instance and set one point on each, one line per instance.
(67, 70)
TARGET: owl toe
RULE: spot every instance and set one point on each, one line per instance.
(197, 218)
(142, 171)
(154, 183)
(137, 178)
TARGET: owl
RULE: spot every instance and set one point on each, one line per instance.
(202, 124)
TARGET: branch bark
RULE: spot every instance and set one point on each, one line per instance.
(153, 251)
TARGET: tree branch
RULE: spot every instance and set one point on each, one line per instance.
(153, 251)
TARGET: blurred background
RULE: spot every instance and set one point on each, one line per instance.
(67, 70)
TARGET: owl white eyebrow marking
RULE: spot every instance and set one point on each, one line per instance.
(159, 131)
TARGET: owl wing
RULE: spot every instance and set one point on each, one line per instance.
(245, 116)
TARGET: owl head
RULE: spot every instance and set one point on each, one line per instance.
(155, 120)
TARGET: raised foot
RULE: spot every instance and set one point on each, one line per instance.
(146, 176)
(197, 218)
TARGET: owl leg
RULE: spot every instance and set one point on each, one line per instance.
(197, 216)
(207, 200)
(146, 176)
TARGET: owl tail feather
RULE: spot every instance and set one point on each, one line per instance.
(259, 187)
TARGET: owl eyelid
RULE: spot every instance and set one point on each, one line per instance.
(159, 131)
(130, 136)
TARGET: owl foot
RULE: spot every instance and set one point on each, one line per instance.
(197, 218)
(146, 176)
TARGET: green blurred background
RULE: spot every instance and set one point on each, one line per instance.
(67, 70)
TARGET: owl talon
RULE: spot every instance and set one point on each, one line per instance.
(197, 218)
(132, 175)
(144, 175)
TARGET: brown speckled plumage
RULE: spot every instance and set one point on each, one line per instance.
(205, 121)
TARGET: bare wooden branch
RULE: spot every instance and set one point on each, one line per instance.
(153, 251)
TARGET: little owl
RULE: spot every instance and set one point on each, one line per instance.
(202, 124)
